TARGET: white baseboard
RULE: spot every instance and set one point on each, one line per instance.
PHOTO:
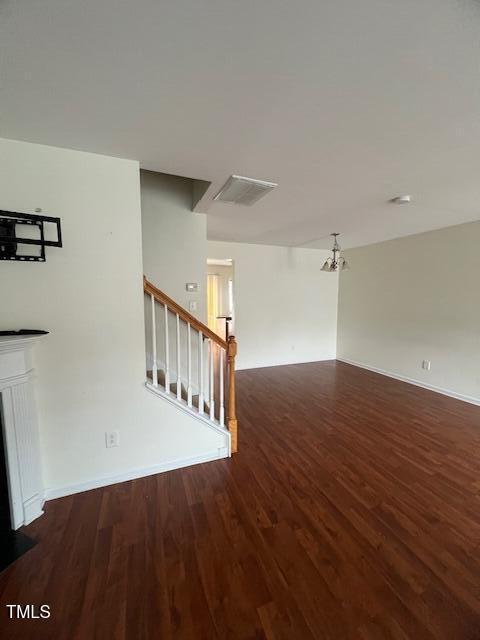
(104, 481)
(417, 383)
(241, 367)
(33, 508)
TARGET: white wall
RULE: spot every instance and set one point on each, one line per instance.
(415, 299)
(174, 241)
(174, 238)
(91, 369)
(285, 307)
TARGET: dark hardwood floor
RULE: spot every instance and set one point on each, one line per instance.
(352, 511)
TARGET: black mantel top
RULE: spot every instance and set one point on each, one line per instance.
(24, 332)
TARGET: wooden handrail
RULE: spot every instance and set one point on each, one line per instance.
(161, 297)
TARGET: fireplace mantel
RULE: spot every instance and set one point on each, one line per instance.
(20, 428)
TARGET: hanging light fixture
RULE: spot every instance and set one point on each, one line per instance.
(337, 262)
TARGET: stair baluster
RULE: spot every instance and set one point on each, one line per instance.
(221, 410)
(201, 401)
(179, 378)
(212, 380)
(154, 345)
(167, 353)
(189, 365)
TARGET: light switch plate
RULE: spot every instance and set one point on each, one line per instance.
(112, 439)
(192, 305)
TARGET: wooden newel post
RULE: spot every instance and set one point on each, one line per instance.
(231, 414)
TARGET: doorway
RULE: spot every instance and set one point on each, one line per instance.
(220, 296)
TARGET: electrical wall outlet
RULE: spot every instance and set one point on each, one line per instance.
(112, 439)
(426, 365)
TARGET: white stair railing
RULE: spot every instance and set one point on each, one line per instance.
(167, 351)
(189, 365)
(212, 379)
(207, 382)
(154, 344)
(221, 364)
(179, 376)
(201, 396)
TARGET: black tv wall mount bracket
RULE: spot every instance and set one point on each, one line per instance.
(34, 227)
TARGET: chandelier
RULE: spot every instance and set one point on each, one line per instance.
(337, 263)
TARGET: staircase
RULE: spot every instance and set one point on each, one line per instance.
(189, 365)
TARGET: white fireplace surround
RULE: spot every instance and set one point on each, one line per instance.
(20, 429)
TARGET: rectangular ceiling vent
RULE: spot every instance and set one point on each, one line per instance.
(240, 190)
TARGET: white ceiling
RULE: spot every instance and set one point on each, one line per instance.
(343, 103)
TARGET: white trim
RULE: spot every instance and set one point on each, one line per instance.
(181, 404)
(33, 508)
(7, 383)
(133, 474)
(283, 364)
(19, 343)
(417, 383)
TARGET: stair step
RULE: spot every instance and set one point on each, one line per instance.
(173, 389)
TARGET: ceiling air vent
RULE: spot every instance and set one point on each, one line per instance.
(240, 190)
